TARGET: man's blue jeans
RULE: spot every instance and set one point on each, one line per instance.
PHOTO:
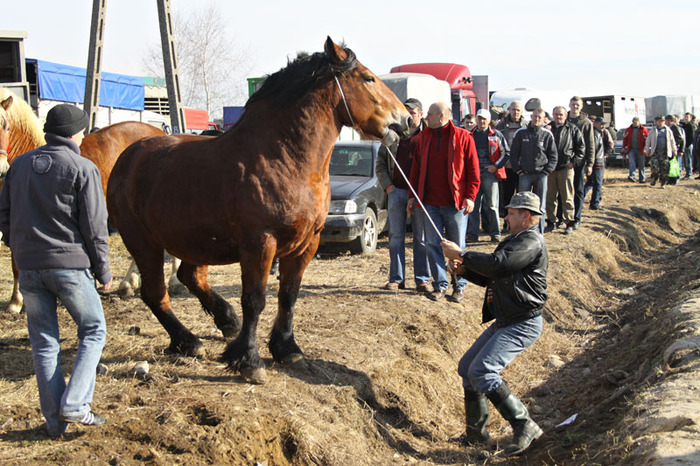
(538, 185)
(453, 223)
(688, 161)
(595, 183)
(486, 199)
(636, 160)
(75, 288)
(397, 200)
(493, 351)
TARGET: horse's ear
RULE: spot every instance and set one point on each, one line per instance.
(336, 53)
(7, 103)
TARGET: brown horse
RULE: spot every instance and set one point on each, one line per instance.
(102, 147)
(258, 191)
(5, 105)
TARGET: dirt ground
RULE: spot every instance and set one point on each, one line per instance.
(379, 383)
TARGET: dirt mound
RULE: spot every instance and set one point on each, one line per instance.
(379, 382)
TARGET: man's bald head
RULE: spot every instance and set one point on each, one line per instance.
(439, 114)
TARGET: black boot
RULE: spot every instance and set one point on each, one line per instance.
(477, 414)
(525, 430)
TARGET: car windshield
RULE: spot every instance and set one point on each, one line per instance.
(351, 161)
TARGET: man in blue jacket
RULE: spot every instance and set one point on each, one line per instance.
(515, 277)
(53, 218)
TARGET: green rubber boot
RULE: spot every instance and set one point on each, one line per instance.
(525, 430)
(477, 416)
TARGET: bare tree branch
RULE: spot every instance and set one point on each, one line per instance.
(212, 68)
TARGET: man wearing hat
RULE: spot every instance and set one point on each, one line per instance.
(493, 152)
(396, 188)
(661, 147)
(633, 143)
(515, 277)
(53, 218)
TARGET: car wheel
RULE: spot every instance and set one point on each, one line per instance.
(366, 243)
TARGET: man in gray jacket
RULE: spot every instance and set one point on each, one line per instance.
(53, 218)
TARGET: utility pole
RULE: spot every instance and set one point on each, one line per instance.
(91, 102)
(167, 39)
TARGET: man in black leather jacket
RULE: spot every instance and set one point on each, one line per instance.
(515, 277)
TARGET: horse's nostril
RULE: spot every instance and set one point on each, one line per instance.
(409, 122)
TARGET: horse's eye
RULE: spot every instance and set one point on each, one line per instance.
(369, 79)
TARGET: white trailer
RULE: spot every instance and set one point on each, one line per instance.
(423, 87)
(617, 110)
(671, 104)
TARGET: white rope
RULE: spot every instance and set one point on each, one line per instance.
(415, 195)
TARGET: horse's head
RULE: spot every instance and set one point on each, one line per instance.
(4, 135)
(366, 103)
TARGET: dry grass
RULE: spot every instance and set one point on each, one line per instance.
(379, 383)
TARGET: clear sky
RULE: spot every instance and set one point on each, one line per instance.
(593, 47)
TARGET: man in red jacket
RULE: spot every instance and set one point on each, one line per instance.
(445, 175)
(633, 143)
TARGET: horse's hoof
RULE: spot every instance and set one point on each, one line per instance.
(230, 332)
(195, 351)
(257, 375)
(125, 290)
(13, 308)
(292, 358)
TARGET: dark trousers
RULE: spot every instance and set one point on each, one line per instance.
(579, 185)
(595, 183)
(506, 189)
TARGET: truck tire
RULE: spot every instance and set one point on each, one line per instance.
(366, 243)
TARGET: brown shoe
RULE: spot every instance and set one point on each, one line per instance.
(391, 286)
(436, 295)
(456, 297)
(423, 287)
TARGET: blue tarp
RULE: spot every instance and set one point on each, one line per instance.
(232, 115)
(67, 84)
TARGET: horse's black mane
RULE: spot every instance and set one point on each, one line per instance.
(299, 77)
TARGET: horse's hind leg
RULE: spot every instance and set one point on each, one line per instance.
(195, 279)
(155, 295)
(282, 345)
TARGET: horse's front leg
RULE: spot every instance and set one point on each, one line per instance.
(16, 300)
(282, 345)
(242, 353)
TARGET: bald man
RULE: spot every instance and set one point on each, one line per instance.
(445, 175)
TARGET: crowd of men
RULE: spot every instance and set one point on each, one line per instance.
(561, 158)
